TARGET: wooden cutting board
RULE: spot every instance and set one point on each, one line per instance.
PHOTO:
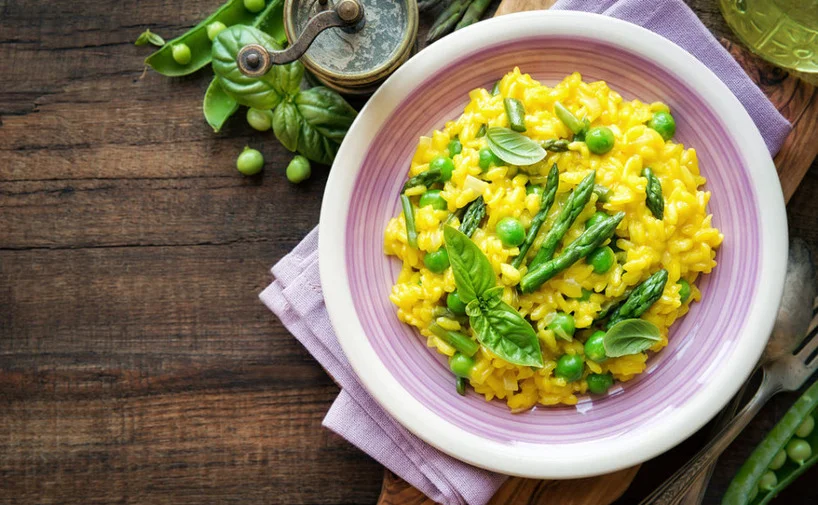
(798, 102)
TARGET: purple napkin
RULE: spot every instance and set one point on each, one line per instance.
(296, 298)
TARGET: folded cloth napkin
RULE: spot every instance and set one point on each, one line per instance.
(296, 298)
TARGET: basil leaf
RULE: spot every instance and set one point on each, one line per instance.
(259, 93)
(287, 125)
(218, 106)
(315, 146)
(287, 78)
(326, 111)
(148, 37)
(630, 336)
(503, 331)
(514, 148)
(472, 270)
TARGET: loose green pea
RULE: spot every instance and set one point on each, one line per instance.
(664, 124)
(601, 259)
(599, 139)
(214, 29)
(767, 481)
(455, 303)
(596, 218)
(798, 450)
(569, 367)
(806, 427)
(445, 165)
(684, 290)
(181, 53)
(254, 5)
(250, 161)
(299, 169)
(510, 231)
(586, 295)
(563, 325)
(534, 189)
(261, 120)
(461, 365)
(433, 198)
(437, 261)
(595, 347)
(455, 147)
(599, 383)
(487, 159)
(779, 460)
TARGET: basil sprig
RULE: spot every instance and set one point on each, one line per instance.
(514, 148)
(495, 323)
(630, 336)
(312, 122)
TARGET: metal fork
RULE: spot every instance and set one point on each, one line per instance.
(787, 373)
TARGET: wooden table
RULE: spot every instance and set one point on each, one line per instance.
(136, 363)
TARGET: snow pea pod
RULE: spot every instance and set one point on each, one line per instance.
(745, 488)
(196, 39)
(218, 106)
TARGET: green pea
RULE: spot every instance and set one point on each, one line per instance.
(437, 261)
(767, 481)
(455, 147)
(601, 259)
(455, 303)
(806, 427)
(214, 29)
(779, 460)
(254, 5)
(299, 169)
(684, 290)
(563, 325)
(534, 189)
(599, 383)
(445, 165)
(569, 367)
(595, 347)
(461, 365)
(181, 53)
(596, 218)
(250, 161)
(433, 198)
(487, 159)
(510, 231)
(586, 295)
(261, 120)
(798, 450)
(664, 124)
(599, 139)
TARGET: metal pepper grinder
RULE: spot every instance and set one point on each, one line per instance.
(348, 45)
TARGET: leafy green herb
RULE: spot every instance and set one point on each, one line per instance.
(287, 125)
(259, 93)
(495, 323)
(287, 78)
(148, 37)
(514, 148)
(472, 270)
(630, 336)
(326, 112)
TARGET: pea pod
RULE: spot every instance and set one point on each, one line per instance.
(231, 13)
(745, 484)
(218, 106)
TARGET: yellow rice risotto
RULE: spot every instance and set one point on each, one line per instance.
(626, 229)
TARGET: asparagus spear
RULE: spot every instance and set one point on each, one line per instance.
(456, 339)
(641, 298)
(576, 202)
(590, 239)
(473, 13)
(654, 199)
(447, 19)
(603, 194)
(426, 178)
(425, 5)
(409, 217)
(547, 200)
(474, 215)
(556, 145)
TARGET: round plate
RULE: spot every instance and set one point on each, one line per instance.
(712, 350)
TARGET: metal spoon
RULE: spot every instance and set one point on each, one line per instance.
(783, 371)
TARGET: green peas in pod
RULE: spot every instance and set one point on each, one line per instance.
(181, 53)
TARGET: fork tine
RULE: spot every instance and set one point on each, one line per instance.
(810, 341)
